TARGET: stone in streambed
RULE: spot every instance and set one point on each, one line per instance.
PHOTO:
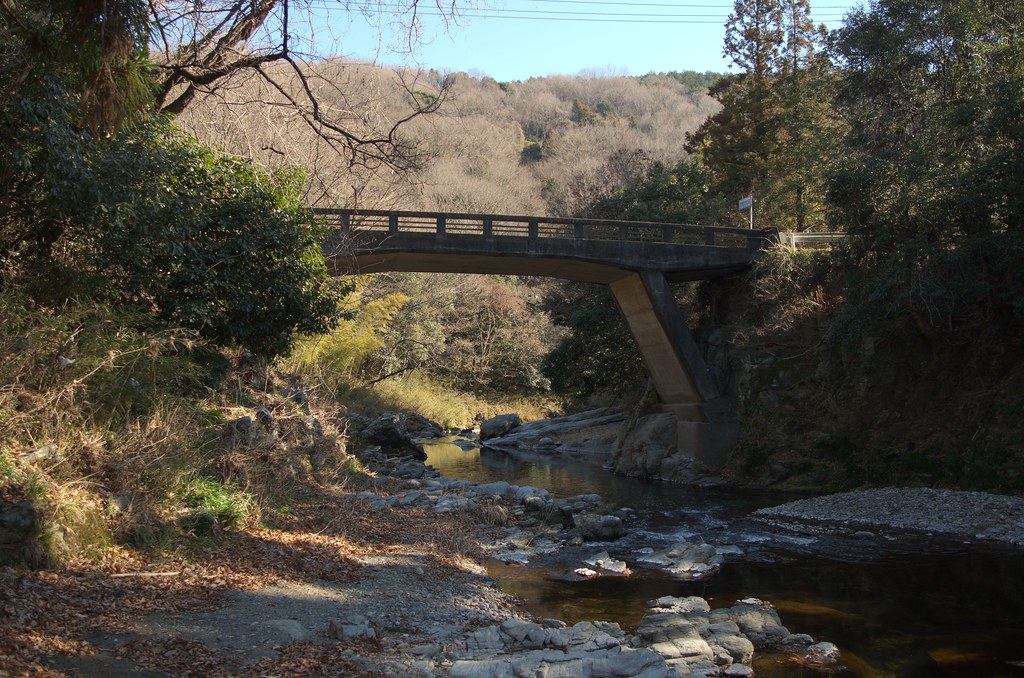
(757, 621)
(679, 605)
(605, 562)
(499, 426)
(690, 561)
(596, 527)
(389, 432)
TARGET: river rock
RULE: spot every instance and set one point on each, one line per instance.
(727, 637)
(419, 426)
(605, 562)
(389, 432)
(546, 445)
(522, 493)
(521, 634)
(499, 490)
(821, 653)
(498, 426)
(485, 640)
(639, 662)
(467, 445)
(453, 502)
(757, 620)
(797, 640)
(589, 434)
(19, 527)
(739, 648)
(674, 636)
(690, 561)
(649, 450)
(591, 636)
(596, 527)
(687, 605)
(602, 664)
(513, 558)
(535, 504)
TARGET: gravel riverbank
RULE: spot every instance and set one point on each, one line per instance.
(967, 515)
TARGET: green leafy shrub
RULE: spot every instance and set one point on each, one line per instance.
(153, 219)
(209, 242)
(210, 500)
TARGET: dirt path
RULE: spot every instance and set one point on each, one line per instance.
(341, 589)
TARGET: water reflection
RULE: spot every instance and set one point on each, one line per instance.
(893, 609)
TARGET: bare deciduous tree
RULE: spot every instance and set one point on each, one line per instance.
(211, 47)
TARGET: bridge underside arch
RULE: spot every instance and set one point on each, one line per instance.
(705, 425)
(431, 262)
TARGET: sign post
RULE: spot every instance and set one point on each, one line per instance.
(748, 203)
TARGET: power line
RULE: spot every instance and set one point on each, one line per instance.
(662, 4)
(633, 19)
(716, 22)
(586, 17)
(539, 13)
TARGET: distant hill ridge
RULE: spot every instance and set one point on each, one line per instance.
(549, 145)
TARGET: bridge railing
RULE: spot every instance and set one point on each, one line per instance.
(801, 240)
(506, 226)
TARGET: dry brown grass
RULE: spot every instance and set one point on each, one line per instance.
(107, 429)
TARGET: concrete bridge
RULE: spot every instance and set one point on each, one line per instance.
(636, 260)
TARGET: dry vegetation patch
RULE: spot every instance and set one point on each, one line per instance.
(327, 538)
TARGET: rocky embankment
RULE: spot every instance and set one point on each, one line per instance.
(679, 637)
(375, 584)
(644, 447)
(955, 514)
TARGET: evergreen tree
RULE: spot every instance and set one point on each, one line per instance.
(754, 37)
(810, 127)
(767, 139)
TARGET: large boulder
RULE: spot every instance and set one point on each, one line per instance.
(499, 426)
(389, 432)
(19, 529)
(419, 426)
(650, 450)
(588, 435)
(596, 527)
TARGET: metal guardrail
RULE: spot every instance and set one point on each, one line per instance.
(796, 240)
(508, 226)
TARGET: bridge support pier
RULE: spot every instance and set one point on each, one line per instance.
(704, 426)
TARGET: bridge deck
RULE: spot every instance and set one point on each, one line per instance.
(580, 249)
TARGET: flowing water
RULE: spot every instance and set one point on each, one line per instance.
(895, 605)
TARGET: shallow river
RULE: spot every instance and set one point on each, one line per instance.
(895, 605)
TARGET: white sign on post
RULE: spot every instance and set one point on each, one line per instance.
(748, 203)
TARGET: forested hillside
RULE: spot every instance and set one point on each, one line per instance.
(561, 145)
(551, 146)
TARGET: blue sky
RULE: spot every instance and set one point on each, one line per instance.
(519, 39)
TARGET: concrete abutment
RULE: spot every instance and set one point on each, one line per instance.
(705, 427)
